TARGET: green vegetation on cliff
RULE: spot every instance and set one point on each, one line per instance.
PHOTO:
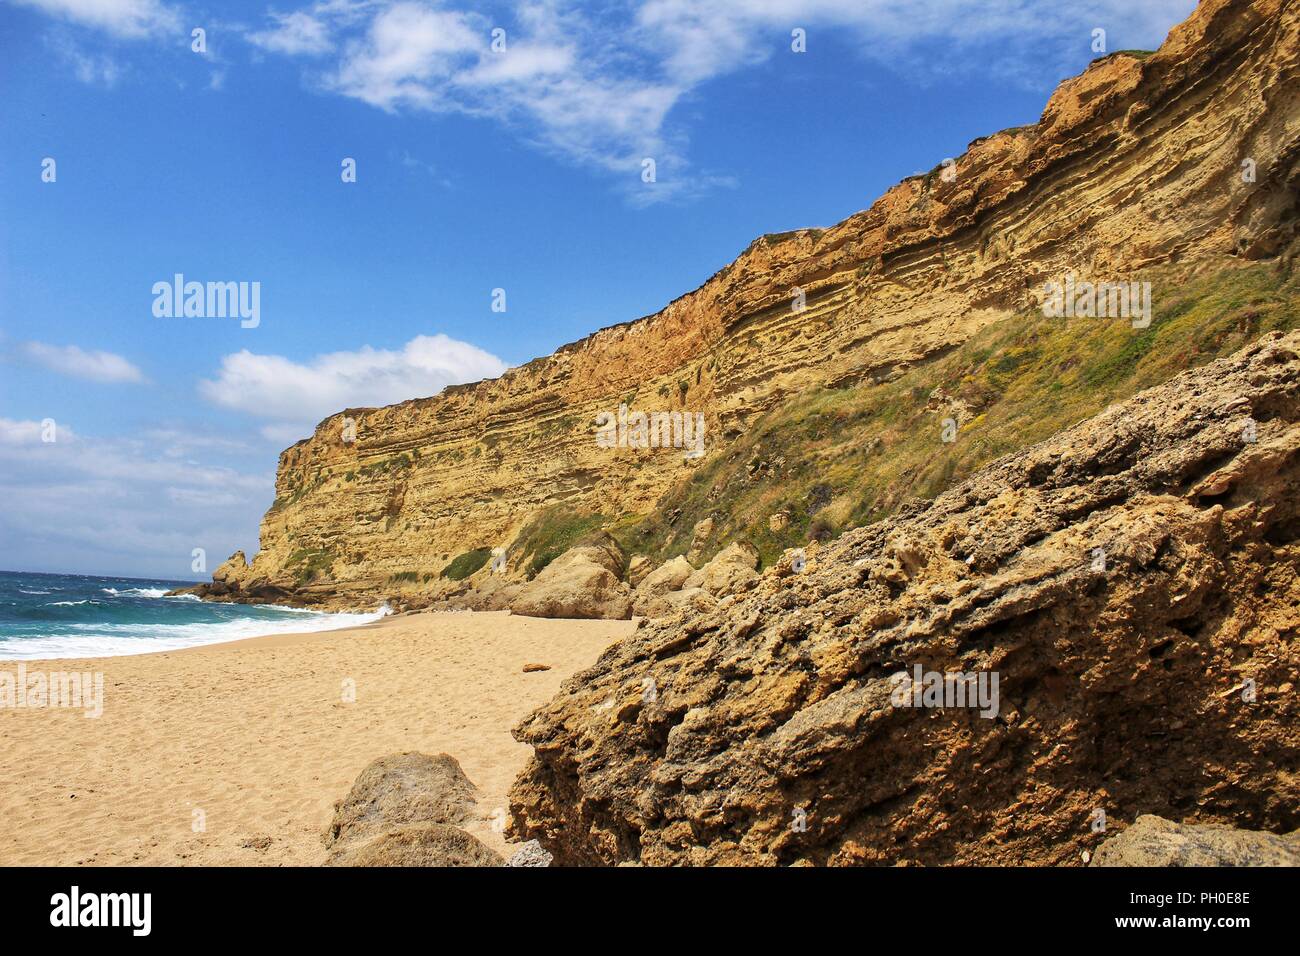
(836, 458)
(463, 565)
(549, 534)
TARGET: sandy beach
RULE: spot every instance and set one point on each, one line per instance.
(235, 753)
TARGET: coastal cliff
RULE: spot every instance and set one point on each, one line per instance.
(1135, 170)
(1122, 600)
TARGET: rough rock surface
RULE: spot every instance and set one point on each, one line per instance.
(669, 576)
(1153, 841)
(1134, 581)
(700, 536)
(638, 569)
(660, 592)
(530, 854)
(584, 582)
(416, 844)
(403, 789)
(1133, 164)
(671, 602)
(730, 572)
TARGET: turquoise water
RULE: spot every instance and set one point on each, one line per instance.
(73, 615)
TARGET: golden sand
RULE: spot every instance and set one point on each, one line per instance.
(235, 753)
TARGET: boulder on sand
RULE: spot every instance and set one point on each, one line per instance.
(1155, 841)
(401, 789)
(584, 582)
(418, 844)
(403, 810)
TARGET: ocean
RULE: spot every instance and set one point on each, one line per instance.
(77, 615)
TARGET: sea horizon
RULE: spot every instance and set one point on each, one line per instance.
(46, 616)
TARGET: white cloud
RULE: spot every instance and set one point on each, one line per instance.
(300, 33)
(105, 367)
(297, 395)
(91, 68)
(18, 433)
(124, 18)
(124, 505)
(601, 84)
(408, 50)
(598, 84)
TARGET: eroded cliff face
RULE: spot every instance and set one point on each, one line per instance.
(1133, 584)
(1134, 164)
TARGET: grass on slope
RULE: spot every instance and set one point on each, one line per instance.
(833, 459)
(463, 565)
(549, 534)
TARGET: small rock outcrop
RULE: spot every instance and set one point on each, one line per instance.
(405, 810)
(1154, 841)
(669, 576)
(700, 535)
(530, 854)
(730, 572)
(1123, 597)
(233, 572)
(638, 568)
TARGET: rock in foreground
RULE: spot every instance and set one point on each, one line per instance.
(1132, 583)
(530, 854)
(403, 810)
(419, 844)
(1153, 841)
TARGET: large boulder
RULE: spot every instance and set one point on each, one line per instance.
(1121, 599)
(404, 810)
(417, 844)
(730, 572)
(403, 789)
(1154, 841)
(603, 549)
(584, 582)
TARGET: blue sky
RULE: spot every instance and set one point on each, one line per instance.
(516, 168)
